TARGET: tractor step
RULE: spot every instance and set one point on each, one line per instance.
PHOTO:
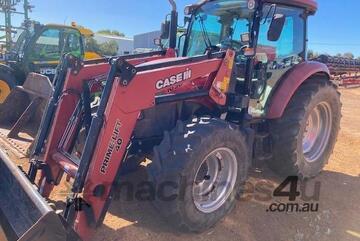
(24, 213)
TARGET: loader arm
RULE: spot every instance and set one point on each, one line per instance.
(109, 136)
(23, 212)
(120, 108)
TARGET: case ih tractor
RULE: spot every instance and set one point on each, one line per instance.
(241, 91)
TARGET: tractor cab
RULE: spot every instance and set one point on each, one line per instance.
(268, 37)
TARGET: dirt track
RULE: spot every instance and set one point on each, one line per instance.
(338, 217)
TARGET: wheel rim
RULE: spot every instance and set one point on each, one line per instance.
(215, 180)
(317, 132)
(4, 91)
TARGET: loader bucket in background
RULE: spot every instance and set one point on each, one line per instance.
(26, 104)
(24, 213)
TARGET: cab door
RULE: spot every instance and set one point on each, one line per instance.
(275, 58)
(46, 50)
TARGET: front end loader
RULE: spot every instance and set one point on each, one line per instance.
(234, 97)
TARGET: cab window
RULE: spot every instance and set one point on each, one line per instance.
(47, 46)
(292, 40)
(53, 43)
(220, 31)
(73, 43)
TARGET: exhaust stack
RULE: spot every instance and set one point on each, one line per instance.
(173, 25)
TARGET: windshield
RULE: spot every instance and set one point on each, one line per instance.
(218, 24)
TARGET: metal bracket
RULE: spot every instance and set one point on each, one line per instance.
(74, 63)
(126, 71)
(37, 165)
(78, 204)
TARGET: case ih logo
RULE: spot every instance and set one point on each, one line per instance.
(173, 80)
(114, 144)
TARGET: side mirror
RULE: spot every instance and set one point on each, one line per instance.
(276, 27)
(165, 30)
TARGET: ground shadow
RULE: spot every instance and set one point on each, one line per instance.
(338, 217)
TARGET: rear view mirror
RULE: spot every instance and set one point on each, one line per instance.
(276, 27)
(165, 30)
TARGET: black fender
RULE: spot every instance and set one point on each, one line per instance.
(11, 73)
(7, 69)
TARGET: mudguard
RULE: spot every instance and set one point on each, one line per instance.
(290, 83)
(6, 68)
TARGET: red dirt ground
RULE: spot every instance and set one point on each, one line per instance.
(338, 217)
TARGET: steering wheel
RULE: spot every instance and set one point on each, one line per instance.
(230, 43)
(212, 48)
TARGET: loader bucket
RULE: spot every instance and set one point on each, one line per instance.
(26, 103)
(24, 213)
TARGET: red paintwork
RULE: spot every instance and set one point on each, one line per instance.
(290, 83)
(67, 165)
(310, 5)
(65, 109)
(124, 106)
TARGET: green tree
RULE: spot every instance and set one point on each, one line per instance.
(109, 48)
(111, 32)
(312, 54)
(349, 55)
(92, 45)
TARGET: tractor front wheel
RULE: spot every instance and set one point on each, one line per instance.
(198, 170)
(304, 138)
(7, 83)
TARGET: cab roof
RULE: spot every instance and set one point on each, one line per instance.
(84, 31)
(310, 5)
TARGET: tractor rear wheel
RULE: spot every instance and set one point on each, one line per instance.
(198, 171)
(7, 83)
(304, 138)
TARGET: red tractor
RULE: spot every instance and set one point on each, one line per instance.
(241, 91)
